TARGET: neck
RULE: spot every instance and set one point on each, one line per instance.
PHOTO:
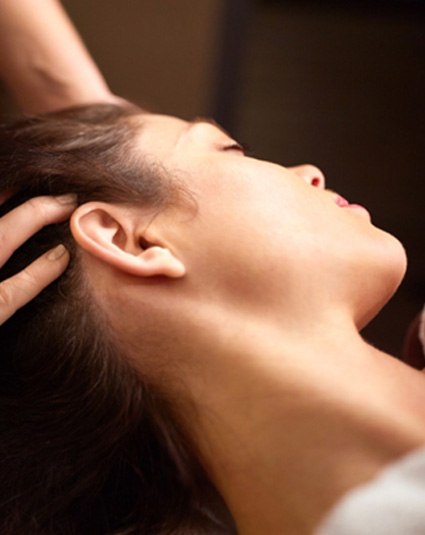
(287, 424)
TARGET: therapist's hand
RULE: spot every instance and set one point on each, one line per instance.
(43, 61)
(15, 228)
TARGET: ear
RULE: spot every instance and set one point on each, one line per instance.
(113, 234)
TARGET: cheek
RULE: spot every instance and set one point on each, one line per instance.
(261, 231)
(255, 208)
(250, 241)
(254, 197)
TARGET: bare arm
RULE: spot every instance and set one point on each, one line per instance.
(46, 66)
(43, 60)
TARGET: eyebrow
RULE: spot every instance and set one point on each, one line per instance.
(208, 120)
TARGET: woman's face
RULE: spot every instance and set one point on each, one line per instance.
(267, 234)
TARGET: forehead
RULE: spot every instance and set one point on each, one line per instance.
(163, 135)
(160, 132)
(152, 120)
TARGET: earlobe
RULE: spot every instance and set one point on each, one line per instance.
(156, 261)
(111, 234)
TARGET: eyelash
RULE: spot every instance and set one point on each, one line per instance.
(243, 147)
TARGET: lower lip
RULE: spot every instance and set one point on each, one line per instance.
(359, 208)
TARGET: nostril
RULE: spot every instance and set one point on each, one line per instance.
(311, 174)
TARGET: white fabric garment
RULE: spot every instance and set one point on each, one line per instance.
(393, 503)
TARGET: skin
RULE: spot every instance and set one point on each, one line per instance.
(42, 77)
(43, 61)
(248, 309)
(280, 277)
(15, 228)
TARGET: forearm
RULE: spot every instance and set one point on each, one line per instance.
(43, 61)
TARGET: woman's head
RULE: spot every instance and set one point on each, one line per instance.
(263, 239)
(87, 445)
(176, 235)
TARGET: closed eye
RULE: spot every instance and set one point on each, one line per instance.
(241, 147)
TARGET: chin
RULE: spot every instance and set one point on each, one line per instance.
(395, 260)
(386, 269)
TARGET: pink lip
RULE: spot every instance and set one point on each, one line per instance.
(340, 201)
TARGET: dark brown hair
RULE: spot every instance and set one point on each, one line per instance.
(86, 445)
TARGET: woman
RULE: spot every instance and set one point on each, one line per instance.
(198, 357)
(195, 352)
(79, 496)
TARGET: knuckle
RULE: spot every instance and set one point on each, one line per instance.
(39, 206)
(27, 278)
(3, 238)
(6, 297)
(20, 286)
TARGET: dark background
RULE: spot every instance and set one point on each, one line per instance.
(338, 84)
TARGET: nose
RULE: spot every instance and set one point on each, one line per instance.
(310, 174)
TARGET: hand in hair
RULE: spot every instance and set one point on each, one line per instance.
(15, 228)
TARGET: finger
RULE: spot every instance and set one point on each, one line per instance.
(25, 285)
(22, 222)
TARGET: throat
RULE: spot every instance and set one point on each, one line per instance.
(284, 436)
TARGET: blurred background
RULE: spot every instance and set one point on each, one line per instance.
(339, 84)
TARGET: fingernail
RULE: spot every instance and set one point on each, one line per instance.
(70, 198)
(56, 253)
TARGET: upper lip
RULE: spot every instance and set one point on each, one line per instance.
(340, 201)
